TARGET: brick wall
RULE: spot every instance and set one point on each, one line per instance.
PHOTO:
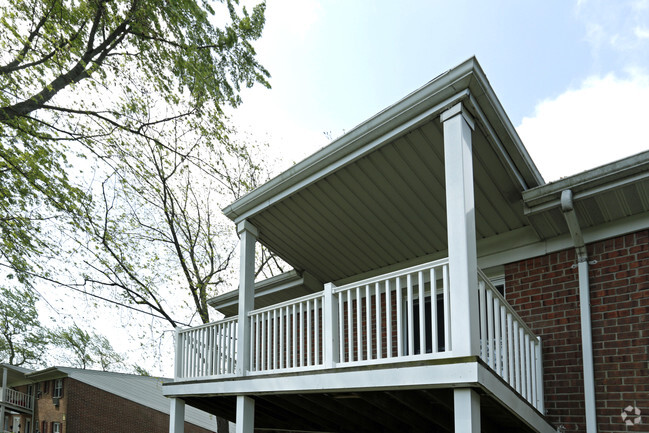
(91, 410)
(545, 292)
(45, 408)
(86, 409)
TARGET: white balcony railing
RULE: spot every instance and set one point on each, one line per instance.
(207, 350)
(508, 346)
(396, 317)
(19, 399)
(287, 336)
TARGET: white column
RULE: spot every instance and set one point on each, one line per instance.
(178, 358)
(177, 416)
(245, 414)
(3, 393)
(460, 218)
(330, 324)
(466, 408)
(248, 238)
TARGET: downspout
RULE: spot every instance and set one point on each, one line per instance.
(570, 215)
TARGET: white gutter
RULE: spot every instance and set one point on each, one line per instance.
(569, 214)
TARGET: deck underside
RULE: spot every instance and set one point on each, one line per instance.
(421, 410)
(405, 397)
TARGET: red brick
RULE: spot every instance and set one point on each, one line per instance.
(619, 286)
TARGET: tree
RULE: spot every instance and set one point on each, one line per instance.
(76, 79)
(22, 337)
(88, 349)
(159, 223)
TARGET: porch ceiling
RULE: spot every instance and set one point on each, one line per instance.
(376, 196)
(429, 410)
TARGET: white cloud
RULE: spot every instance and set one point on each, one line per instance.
(641, 32)
(601, 121)
(620, 26)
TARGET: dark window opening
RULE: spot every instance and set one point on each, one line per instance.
(428, 340)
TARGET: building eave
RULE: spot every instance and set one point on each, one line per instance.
(587, 183)
(602, 196)
(276, 289)
(466, 82)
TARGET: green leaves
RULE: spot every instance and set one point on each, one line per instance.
(100, 75)
(22, 337)
(88, 349)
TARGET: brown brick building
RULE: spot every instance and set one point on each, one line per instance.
(70, 400)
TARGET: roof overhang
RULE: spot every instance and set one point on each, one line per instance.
(603, 195)
(16, 376)
(274, 290)
(47, 374)
(376, 196)
(466, 82)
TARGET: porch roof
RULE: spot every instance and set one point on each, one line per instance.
(376, 196)
(15, 375)
(615, 192)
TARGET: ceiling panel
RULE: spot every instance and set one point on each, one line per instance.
(385, 208)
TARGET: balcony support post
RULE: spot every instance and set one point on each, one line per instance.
(3, 396)
(248, 238)
(177, 416)
(179, 362)
(330, 324)
(245, 414)
(466, 408)
(460, 217)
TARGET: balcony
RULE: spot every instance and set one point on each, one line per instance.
(18, 399)
(372, 322)
(432, 347)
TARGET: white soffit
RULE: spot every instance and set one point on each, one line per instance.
(603, 195)
(376, 196)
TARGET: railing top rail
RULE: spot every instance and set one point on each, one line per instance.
(287, 303)
(393, 274)
(207, 325)
(507, 305)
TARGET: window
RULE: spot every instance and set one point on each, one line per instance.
(427, 324)
(46, 387)
(44, 427)
(56, 427)
(436, 301)
(58, 389)
(499, 283)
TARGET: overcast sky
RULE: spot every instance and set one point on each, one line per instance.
(572, 75)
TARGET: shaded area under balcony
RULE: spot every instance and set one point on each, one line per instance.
(419, 410)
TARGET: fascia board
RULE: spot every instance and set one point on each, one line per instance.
(486, 98)
(595, 181)
(270, 285)
(496, 387)
(443, 375)
(47, 374)
(465, 81)
(436, 92)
